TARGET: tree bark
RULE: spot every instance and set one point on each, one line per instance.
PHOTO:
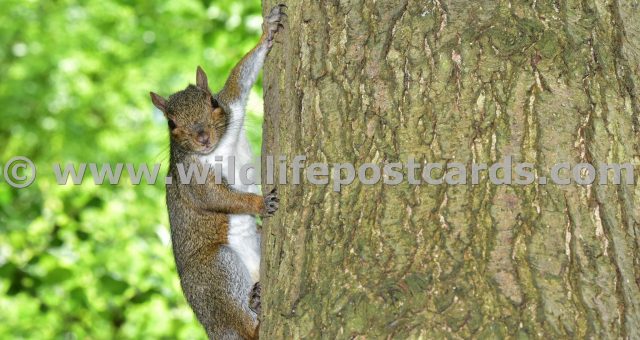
(454, 81)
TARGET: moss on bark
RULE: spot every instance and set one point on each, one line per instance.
(465, 81)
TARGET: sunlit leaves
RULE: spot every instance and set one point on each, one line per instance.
(95, 261)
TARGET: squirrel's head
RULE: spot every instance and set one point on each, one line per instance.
(195, 119)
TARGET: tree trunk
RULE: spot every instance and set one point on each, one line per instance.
(454, 81)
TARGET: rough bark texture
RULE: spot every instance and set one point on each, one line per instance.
(466, 81)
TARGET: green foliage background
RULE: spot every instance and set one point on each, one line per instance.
(95, 261)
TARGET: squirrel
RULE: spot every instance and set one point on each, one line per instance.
(215, 241)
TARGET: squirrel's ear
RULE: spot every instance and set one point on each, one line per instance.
(159, 102)
(201, 79)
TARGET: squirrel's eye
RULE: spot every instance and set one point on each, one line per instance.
(172, 124)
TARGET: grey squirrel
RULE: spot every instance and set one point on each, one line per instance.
(215, 241)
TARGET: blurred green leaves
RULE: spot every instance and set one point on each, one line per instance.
(95, 261)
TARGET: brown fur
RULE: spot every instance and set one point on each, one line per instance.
(215, 282)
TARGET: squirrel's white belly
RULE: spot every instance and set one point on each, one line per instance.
(245, 241)
(243, 236)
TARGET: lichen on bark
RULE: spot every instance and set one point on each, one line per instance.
(464, 81)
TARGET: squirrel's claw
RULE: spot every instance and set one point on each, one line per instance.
(273, 22)
(278, 9)
(276, 14)
(271, 203)
(254, 298)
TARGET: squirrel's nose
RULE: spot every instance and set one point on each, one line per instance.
(203, 138)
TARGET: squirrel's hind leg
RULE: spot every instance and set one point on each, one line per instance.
(220, 299)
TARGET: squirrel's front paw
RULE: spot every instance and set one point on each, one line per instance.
(271, 202)
(273, 22)
(254, 298)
